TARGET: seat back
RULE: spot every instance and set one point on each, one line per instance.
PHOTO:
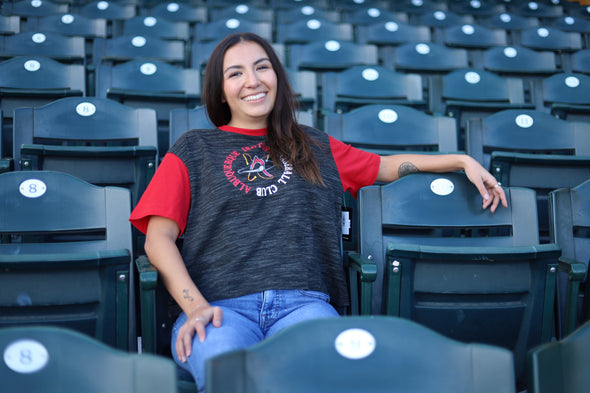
(383, 129)
(566, 95)
(353, 354)
(53, 360)
(532, 149)
(34, 81)
(217, 29)
(561, 366)
(444, 262)
(330, 55)
(95, 139)
(65, 255)
(569, 227)
(53, 45)
(362, 85)
(309, 29)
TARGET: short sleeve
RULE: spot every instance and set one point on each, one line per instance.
(357, 168)
(168, 195)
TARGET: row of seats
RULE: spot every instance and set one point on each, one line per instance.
(461, 93)
(427, 253)
(348, 355)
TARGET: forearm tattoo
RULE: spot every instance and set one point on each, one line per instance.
(186, 296)
(406, 168)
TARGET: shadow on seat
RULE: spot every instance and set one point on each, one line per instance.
(362, 354)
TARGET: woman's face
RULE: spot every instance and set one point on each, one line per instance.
(249, 85)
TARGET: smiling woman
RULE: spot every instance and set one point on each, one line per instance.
(258, 200)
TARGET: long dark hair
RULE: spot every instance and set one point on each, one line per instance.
(285, 138)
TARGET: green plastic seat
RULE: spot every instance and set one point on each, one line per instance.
(361, 354)
(569, 227)
(561, 366)
(57, 360)
(528, 148)
(66, 256)
(444, 262)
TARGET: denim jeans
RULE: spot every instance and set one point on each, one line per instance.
(248, 320)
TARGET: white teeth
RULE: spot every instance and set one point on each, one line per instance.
(254, 97)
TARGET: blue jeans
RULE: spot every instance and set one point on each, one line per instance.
(248, 320)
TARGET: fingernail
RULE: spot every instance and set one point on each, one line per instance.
(486, 196)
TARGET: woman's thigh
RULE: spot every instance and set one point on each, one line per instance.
(235, 332)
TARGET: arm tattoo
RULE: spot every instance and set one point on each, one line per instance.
(406, 168)
(185, 295)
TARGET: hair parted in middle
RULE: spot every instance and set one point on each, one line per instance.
(285, 138)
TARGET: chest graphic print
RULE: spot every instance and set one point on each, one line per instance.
(251, 170)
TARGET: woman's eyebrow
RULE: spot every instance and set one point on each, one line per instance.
(239, 67)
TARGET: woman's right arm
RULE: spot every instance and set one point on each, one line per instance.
(161, 249)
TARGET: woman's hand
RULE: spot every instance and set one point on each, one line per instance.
(489, 188)
(196, 322)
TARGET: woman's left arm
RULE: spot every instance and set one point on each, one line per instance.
(396, 166)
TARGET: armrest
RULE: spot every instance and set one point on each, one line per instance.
(148, 275)
(576, 272)
(366, 270)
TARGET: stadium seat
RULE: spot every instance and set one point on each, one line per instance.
(242, 11)
(391, 33)
(66, 256)
(178, 11)
(53, 360)
(550, 38)
(131, 47)
(9, 25)
(109, 10)
(473, 36)
(95, 139)
(536, 10)
(467, 273)
(561, 366)
(308, 30)
(383, 129)
(427, 58)
(151, 84)
(366, 16)
(519, 61)
(477, 9)
(34, 81)
(566, 95)
(330, 55)
(151, 26)
(362, 354)
(69, 25)
(532, 149)
(569, 225)
(581, 61)
(514, 24)
(28, 8)
(305, 12)
(217, 29)
(438, 20)
(363, 85)
(53, 45)
(471, 93)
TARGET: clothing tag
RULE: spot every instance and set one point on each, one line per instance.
(346, 223)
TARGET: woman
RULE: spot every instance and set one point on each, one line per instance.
(259, 203)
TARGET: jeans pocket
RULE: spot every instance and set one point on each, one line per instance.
(315, 295)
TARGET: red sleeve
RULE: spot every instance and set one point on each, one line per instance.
(168, 195)
(357, 168)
